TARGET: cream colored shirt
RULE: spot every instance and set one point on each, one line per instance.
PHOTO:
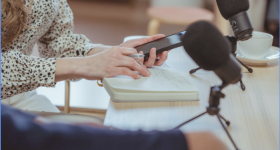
(51, 23)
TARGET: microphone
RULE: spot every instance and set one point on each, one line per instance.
(211, 51)
(235, 12)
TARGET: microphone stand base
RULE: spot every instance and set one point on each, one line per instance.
(213, 109)
(220, 118)
(243, 87)
(194, 70)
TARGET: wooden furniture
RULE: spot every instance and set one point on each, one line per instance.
(81, 95)
(175, 15)
(86, 97)
(56, 95)
(185, 16)
(67, 118)
(254, 113)
(67, 97)
(222, 24)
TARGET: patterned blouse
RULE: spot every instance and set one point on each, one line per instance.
(51, 26)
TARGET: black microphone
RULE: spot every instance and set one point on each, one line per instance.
(211, 51)
(235, 12)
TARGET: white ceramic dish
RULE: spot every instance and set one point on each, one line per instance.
(272, 55)
(257, 47)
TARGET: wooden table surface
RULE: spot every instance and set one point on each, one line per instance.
(254, 113)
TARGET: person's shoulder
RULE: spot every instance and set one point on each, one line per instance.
(45, 4)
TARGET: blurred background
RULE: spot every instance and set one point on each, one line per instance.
(109, 21)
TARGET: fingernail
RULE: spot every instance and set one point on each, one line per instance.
(138, 76)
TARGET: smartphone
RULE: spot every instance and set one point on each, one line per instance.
(162, 44)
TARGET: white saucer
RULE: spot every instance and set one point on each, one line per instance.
(272, 55)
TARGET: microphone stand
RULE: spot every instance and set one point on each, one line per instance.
(233, 40)
(214, 109)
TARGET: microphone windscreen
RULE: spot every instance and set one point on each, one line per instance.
(229, 8)
(206, 45)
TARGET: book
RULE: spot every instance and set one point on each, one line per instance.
(164, 84)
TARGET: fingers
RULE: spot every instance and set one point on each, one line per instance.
(160, 54)
(134, 64)
(141, 64)
(136, 42)
(127, 51)
(127, 72)
(151, 38)
(112, 62)
(150, 62)
(162, 59)
(119, 58)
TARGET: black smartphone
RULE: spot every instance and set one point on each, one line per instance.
(162, 44)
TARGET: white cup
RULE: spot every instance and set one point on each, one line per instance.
(257, 47)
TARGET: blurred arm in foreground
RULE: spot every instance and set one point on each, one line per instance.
(20, 130)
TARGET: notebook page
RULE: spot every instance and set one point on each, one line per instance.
(161, 79)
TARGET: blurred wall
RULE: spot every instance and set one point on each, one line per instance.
(195, 3)
(257, 13)
(109, 21)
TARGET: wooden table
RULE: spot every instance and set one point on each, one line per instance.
(254, 113)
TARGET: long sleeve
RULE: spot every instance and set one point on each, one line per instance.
(52, 29)
(19, 131)
(21, 73)
(59, 40)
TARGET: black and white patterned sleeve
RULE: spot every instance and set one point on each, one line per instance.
(60, 41)
(21, 73)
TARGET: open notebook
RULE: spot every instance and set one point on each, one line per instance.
(164, 84)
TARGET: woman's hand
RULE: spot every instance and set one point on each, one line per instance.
(112, 62)
(153, 56)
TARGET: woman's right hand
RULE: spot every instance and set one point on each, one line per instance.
(112, 62)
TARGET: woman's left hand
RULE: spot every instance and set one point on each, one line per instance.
(152, 61)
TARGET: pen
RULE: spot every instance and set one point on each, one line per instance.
(137, 56)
